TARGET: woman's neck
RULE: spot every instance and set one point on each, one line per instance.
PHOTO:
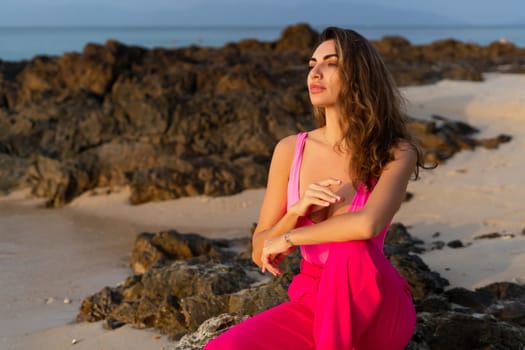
(332, 132)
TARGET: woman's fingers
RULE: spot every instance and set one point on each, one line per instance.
(275, 250)
(320, 191)
(271, 266)
(274, 270)
(318, 197)
(324, 186)
(330, 181)
(312, 201)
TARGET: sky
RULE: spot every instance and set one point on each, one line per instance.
(259, 12)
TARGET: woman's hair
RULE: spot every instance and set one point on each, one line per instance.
(372, 120)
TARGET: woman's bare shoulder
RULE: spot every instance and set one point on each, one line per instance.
(288, 141)
(285, 147)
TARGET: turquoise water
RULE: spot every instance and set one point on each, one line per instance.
(24, 43)
(17, 43)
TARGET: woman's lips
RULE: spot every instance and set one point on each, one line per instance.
(316, 88)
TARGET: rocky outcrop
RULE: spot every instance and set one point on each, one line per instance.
(206, 331)
(150, 248)
(441, 138)
(175, 297)
(181, 122)
(448, 58)
(480, 319)
(193, 284)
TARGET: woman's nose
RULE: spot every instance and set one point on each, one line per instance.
(315, 72)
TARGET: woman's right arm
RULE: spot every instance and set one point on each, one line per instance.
(274, 219)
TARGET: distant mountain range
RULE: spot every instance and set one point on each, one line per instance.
(232, 13)
(271, 12)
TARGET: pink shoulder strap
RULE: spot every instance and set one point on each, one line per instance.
(293, 181)
(360, 197)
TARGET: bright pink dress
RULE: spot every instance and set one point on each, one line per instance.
(346, 296)
(318, 253)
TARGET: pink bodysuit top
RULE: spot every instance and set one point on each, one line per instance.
(318, 253)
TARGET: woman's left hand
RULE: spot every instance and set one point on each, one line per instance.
(273, 253)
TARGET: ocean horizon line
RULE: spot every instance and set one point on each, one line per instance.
(269, 26)
(24, 42)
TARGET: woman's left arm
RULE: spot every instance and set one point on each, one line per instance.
(383, 203)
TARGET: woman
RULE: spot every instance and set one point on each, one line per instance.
(333, 192)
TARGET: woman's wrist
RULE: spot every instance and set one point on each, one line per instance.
(288, 239)
(292, 211)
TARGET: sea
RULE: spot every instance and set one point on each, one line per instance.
(22, 43)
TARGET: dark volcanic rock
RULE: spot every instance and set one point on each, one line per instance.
(399, 248)
(398, 240)
(504, 290)
(212, 290)
(174, 298)
(13, 173)
(477, 301)
(298, 37)
(150, 248)
(208, 330)
(456, 330)
(455, 244)
(451, 59)
(489, 235)
(184, 280)
(189, 121)
(442, 138)
(422, 280)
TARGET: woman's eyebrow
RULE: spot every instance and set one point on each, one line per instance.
(325, 57)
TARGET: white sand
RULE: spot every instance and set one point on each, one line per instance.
(49, 255)
(476, 192)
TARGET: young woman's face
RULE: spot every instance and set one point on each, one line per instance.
(324, 83)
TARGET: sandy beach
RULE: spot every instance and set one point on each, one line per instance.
(474, 193)
(50, 259)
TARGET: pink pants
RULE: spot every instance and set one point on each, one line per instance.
(356, 301)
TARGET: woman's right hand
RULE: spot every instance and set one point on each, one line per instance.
(316, 197)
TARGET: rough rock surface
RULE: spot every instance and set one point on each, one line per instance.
(170, 245)
(208, 330)
(181, 122)
(211, 289)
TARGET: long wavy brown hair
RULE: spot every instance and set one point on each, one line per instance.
(372, 122)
